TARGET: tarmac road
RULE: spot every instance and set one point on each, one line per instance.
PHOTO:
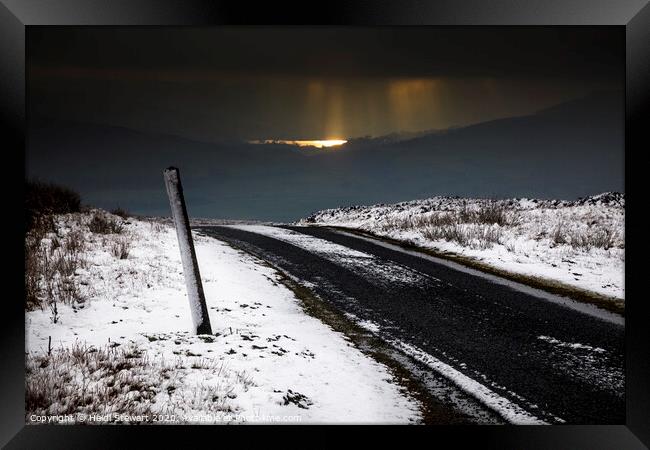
(521, 356)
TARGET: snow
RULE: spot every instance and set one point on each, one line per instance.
(574, 345)
(510, 411)
(586, 363)
(386, 272)
(551, 239)
(268, 361)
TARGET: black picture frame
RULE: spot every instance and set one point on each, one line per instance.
(17, 15)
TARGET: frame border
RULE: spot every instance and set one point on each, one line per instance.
(634, 15)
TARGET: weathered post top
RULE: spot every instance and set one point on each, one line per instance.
(198, 308)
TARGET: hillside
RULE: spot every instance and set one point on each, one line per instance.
(568, 151)
(577, 243)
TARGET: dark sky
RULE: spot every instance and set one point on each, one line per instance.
(536, 111)
(313, 83)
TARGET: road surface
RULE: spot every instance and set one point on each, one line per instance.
(524, 358)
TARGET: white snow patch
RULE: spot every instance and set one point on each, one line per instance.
(574, 345)
(269, 357)
(364, 323)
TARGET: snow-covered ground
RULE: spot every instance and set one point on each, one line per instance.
(578, 243)
(124, 346)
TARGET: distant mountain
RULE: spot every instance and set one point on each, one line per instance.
(568, 151)
(391, 138)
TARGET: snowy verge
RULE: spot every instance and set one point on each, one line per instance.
(580, 244)
(124, 353)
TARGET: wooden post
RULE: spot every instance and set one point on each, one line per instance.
(195, 294)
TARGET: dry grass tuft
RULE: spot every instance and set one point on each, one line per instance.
(479, 226)
(120, 248)
(84, 379)
(101, 223)
(51, 263)
(125, 380)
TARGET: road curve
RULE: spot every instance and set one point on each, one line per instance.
(528, 359)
